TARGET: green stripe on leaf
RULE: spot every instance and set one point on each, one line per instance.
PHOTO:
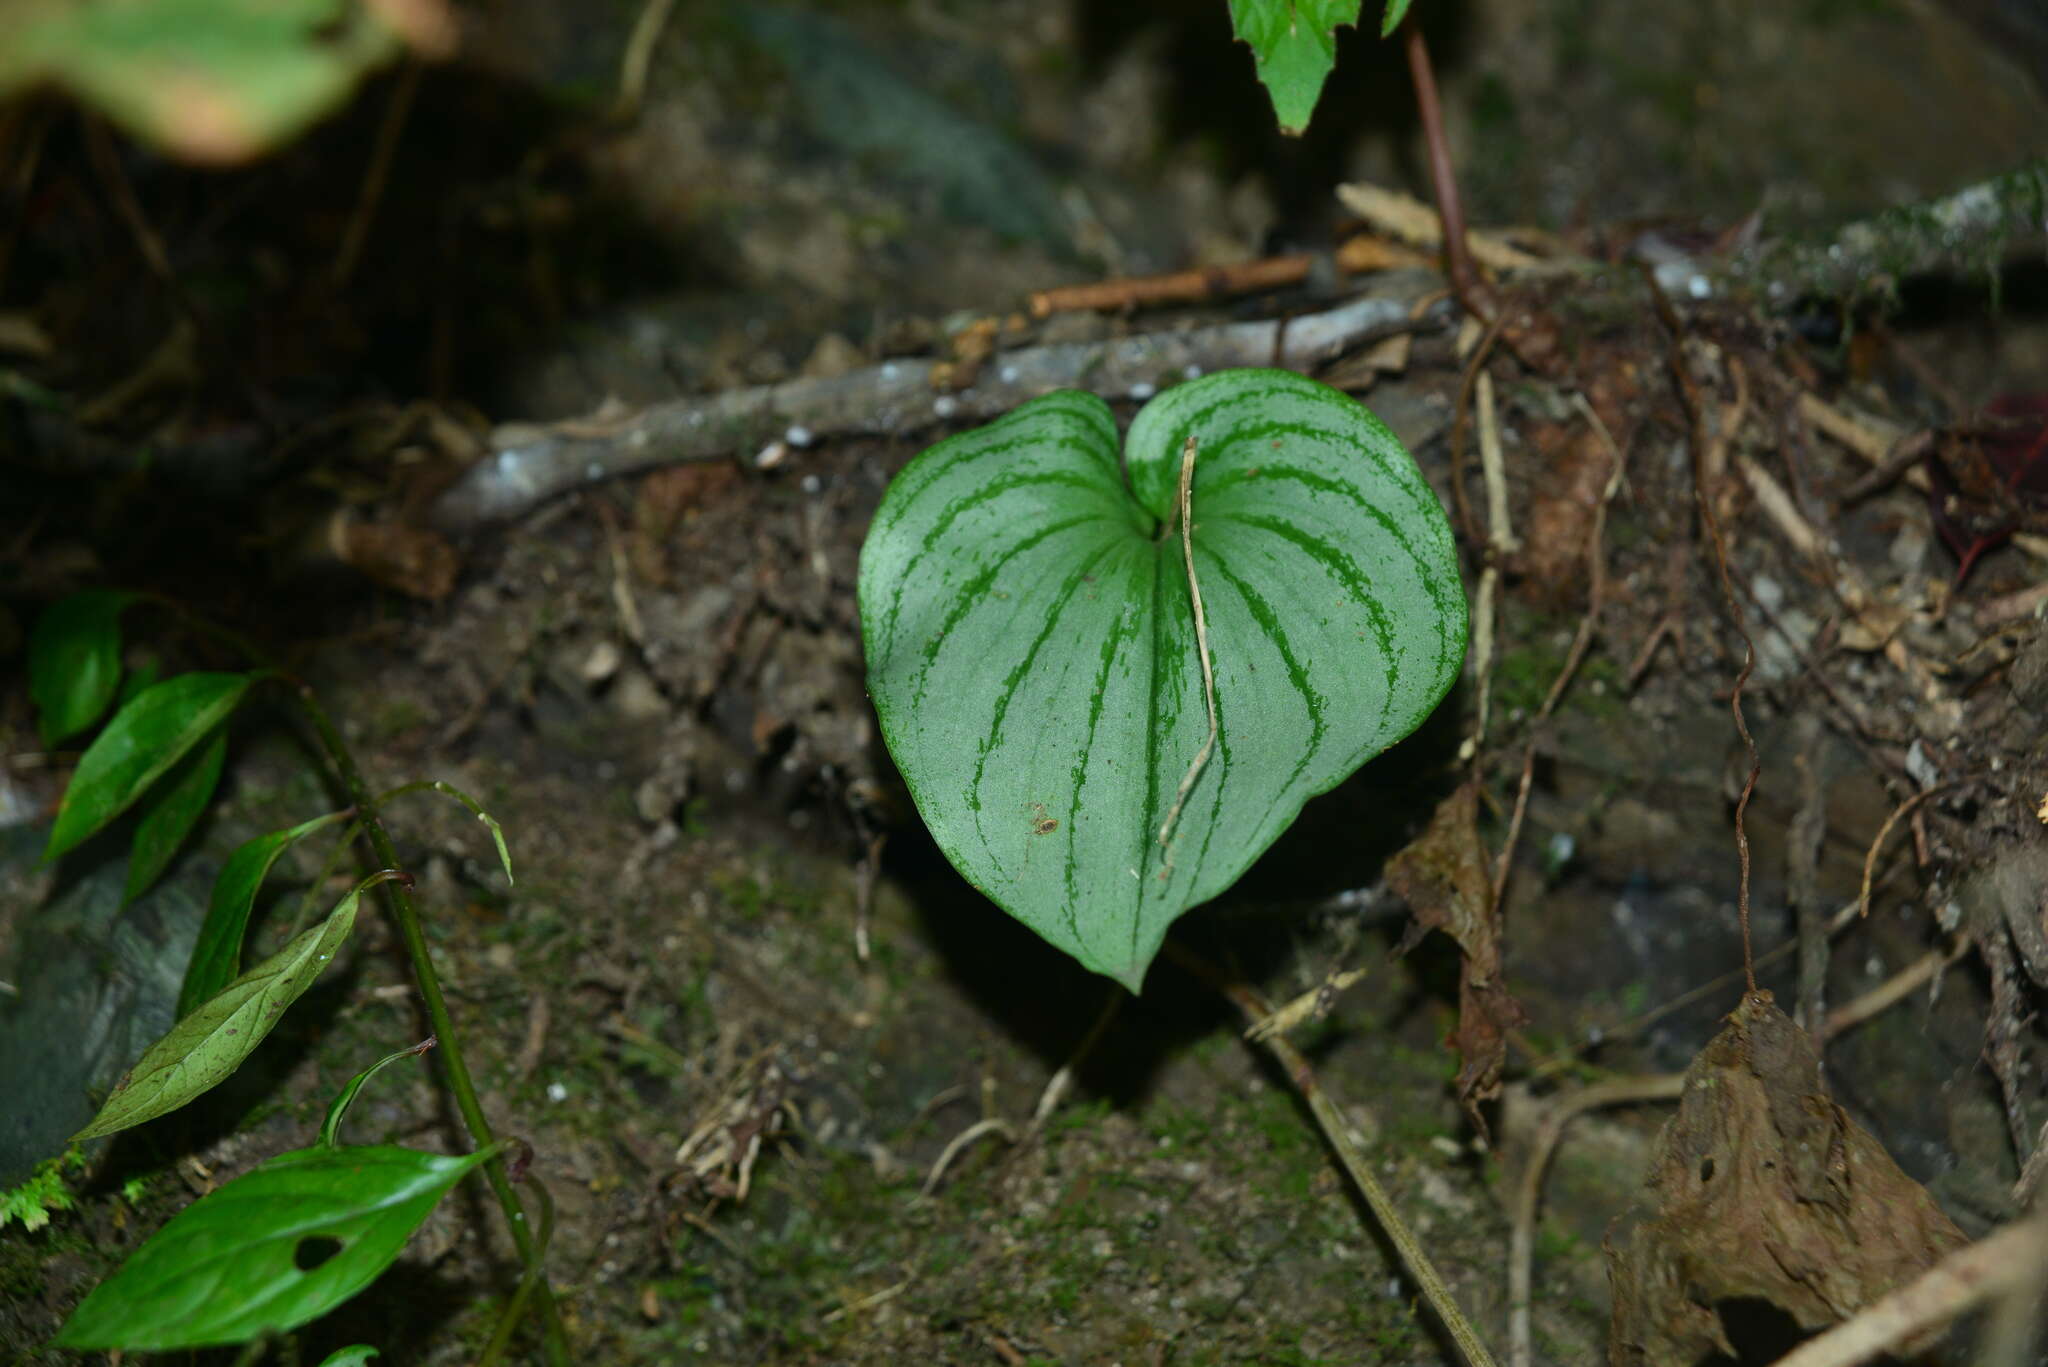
(1032, 654)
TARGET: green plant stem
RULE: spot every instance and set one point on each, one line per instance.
(407, 917)
(501, 1335)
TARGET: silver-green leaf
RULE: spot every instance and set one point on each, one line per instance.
(1032, 656)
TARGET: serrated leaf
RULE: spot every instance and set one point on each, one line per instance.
(217, 953)
(1397, 10)
(205, 1047)
(170, 811)
(228, 1267)
(74, 661)
(144, 739)
(1032, 656)
(1294, 44)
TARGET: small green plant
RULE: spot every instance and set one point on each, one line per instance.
(306, 1230)
(45, 1191)
(1294, 43)
(1110, 686)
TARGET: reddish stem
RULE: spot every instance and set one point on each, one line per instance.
(1465, 281)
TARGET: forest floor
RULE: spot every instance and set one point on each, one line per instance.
(780, 1066)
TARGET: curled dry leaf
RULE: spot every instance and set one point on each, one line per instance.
(1442, 876)
(1764, 1193)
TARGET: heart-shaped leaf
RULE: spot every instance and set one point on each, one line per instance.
(1032, 652)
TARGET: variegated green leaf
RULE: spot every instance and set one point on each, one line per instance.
(1032, 655)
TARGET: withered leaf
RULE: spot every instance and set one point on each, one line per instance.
(1442, 876)
(1763, 1191)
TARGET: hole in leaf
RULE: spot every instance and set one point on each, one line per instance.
(315, 1250)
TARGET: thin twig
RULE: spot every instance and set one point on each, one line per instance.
(639, 55)
(1596, 562)
(1703, 458)
(1461, 416)
(1899, 813)
(869, 1302)
(994, 1124)
(1187, 548)
(1896, 988)
(1337, 1131)
(1505, 860)
(1177, 287)
(1061, 1082)
(1493, 470)
(865, 874)
(378, 174)
(1529, 1190)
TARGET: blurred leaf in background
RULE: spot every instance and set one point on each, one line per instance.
(215, 81)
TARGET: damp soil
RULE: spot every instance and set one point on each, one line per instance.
(754, 1028)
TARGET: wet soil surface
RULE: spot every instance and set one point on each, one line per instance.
(778, 1063)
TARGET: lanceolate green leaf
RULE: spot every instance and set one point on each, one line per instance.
(171, 810)
(217, 953)
(209, 1044)
(271, 1250)
(74, 661)
(1032, 656)
(144, 739)
(1397, 10)
(1294, 43)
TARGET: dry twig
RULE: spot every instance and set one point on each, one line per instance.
(529, 464)
(1529, 1189)
(1337, 1131)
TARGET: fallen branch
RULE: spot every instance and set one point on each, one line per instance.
(529, 464)
(1963, 231)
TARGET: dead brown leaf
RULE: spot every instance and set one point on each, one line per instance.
(1764, 1192)
(1442, 876)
